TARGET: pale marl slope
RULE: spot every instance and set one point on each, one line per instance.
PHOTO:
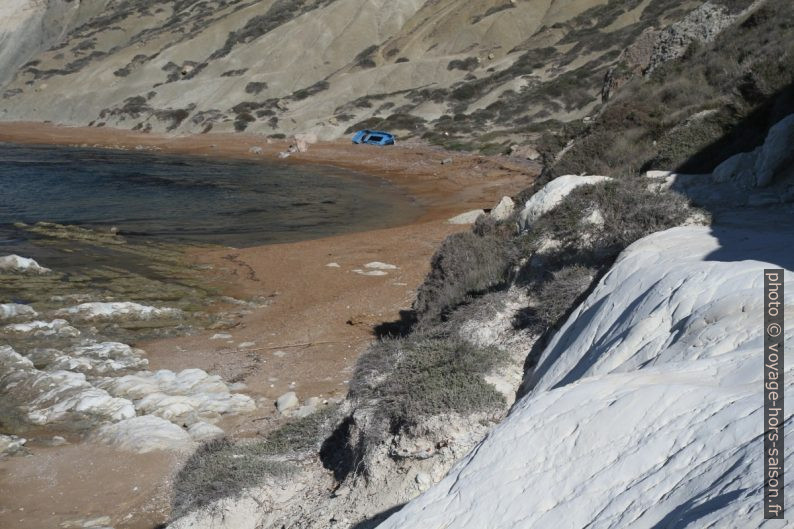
(29, 26)
(646, 407)
(274, 67)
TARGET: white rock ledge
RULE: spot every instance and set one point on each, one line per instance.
(551, 195)
(645, 409)
(15, 264)
(116, 310)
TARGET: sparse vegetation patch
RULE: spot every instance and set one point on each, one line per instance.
(223, 468)
(407, 379)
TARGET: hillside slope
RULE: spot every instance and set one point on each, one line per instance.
(646, 406)
(451, 69)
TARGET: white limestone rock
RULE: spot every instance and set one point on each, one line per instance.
(96, 359)
(503, 209)
(204, 431)
(644, 409)
(39, 398)
(116, 311)
(10, 311)
(287, 401)
(187, 397)
(373, 273)
(11, 444)
(777, 150)
(551, 195)
(144, 434)
(58, 327)
(759, 167)
(377, 265)
(15, 264)
(594, 218)
(470, 217)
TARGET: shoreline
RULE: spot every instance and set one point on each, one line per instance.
(444, 183)
(318, 318)
(341, 308)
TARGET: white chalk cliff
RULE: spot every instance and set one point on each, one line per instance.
(645, 410)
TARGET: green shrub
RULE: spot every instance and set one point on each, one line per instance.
(406, 379)
(314, 89)
(365, 58)
(468, 64)
(255, 87)
(556, 297)
(242, 120)
(629, 211)
(464, 264)
(223, 469)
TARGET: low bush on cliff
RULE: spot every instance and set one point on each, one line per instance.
(626, 211)
(464, 265)
(406, 379)
(222, 468)
(556, 297)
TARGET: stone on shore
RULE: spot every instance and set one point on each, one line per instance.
(503, 209)
(287, 401)
(15, 264)
(204, 431)
(60, 328)
(36, 397)
(10, 311)
(11, 444)
(470, 217)
(377, 265)
(116, 310)
(187, 397)
(144, 434)
(370, 272)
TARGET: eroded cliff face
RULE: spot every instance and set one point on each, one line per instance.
(326, 66)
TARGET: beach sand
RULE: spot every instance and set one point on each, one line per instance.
(317, 318)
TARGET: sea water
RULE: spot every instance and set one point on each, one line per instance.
(191, 199)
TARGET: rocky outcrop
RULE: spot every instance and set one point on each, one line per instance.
(116, 311)
(644, 409)
(633, 61)
(59, 374)
(368, 468)
(551, 195)
(469, 217)
(14, 264)
(701, 25)
(503, 210)
(35, 397)
(655, 47)
(10, 311)
(756, 178)
(760, 167)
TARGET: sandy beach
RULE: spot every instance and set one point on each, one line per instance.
(321, 308)
(318, 317)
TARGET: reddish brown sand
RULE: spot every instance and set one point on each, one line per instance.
(306, 339)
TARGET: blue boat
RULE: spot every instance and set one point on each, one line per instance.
(373, 137)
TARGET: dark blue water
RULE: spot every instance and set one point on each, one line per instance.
(190, 199)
